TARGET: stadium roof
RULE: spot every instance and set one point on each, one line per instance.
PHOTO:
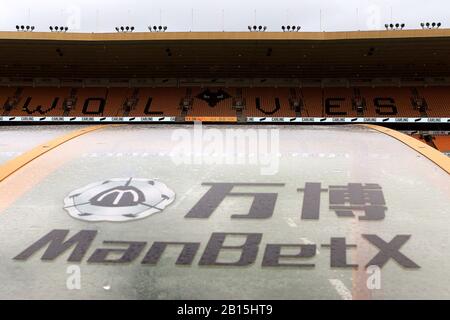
(368, 54)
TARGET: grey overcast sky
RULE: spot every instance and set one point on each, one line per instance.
(229, 15)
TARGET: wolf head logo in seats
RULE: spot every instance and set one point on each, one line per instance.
(213, 98)
(122, 199)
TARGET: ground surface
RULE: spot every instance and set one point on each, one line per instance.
(415, 190)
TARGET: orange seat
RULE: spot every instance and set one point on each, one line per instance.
(267, 102)
(342, 107)
(442, 143)
(212, 102)
(438, 100)
(218, 102)
(155, 102)
(389, 100)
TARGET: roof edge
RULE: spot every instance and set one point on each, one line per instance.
(225, 36)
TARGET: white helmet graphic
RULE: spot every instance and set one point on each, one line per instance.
(120, 199)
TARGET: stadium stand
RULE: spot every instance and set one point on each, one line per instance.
(338, 102)
(42, 101)
(438, 141)
(442, 143)
(267, 102)
(114, 106)
(389, 102)
(226, 102)
(211, 102)
(91, 102)
(154, 102)
(312, 97)
(9, 99)
(437, 99)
